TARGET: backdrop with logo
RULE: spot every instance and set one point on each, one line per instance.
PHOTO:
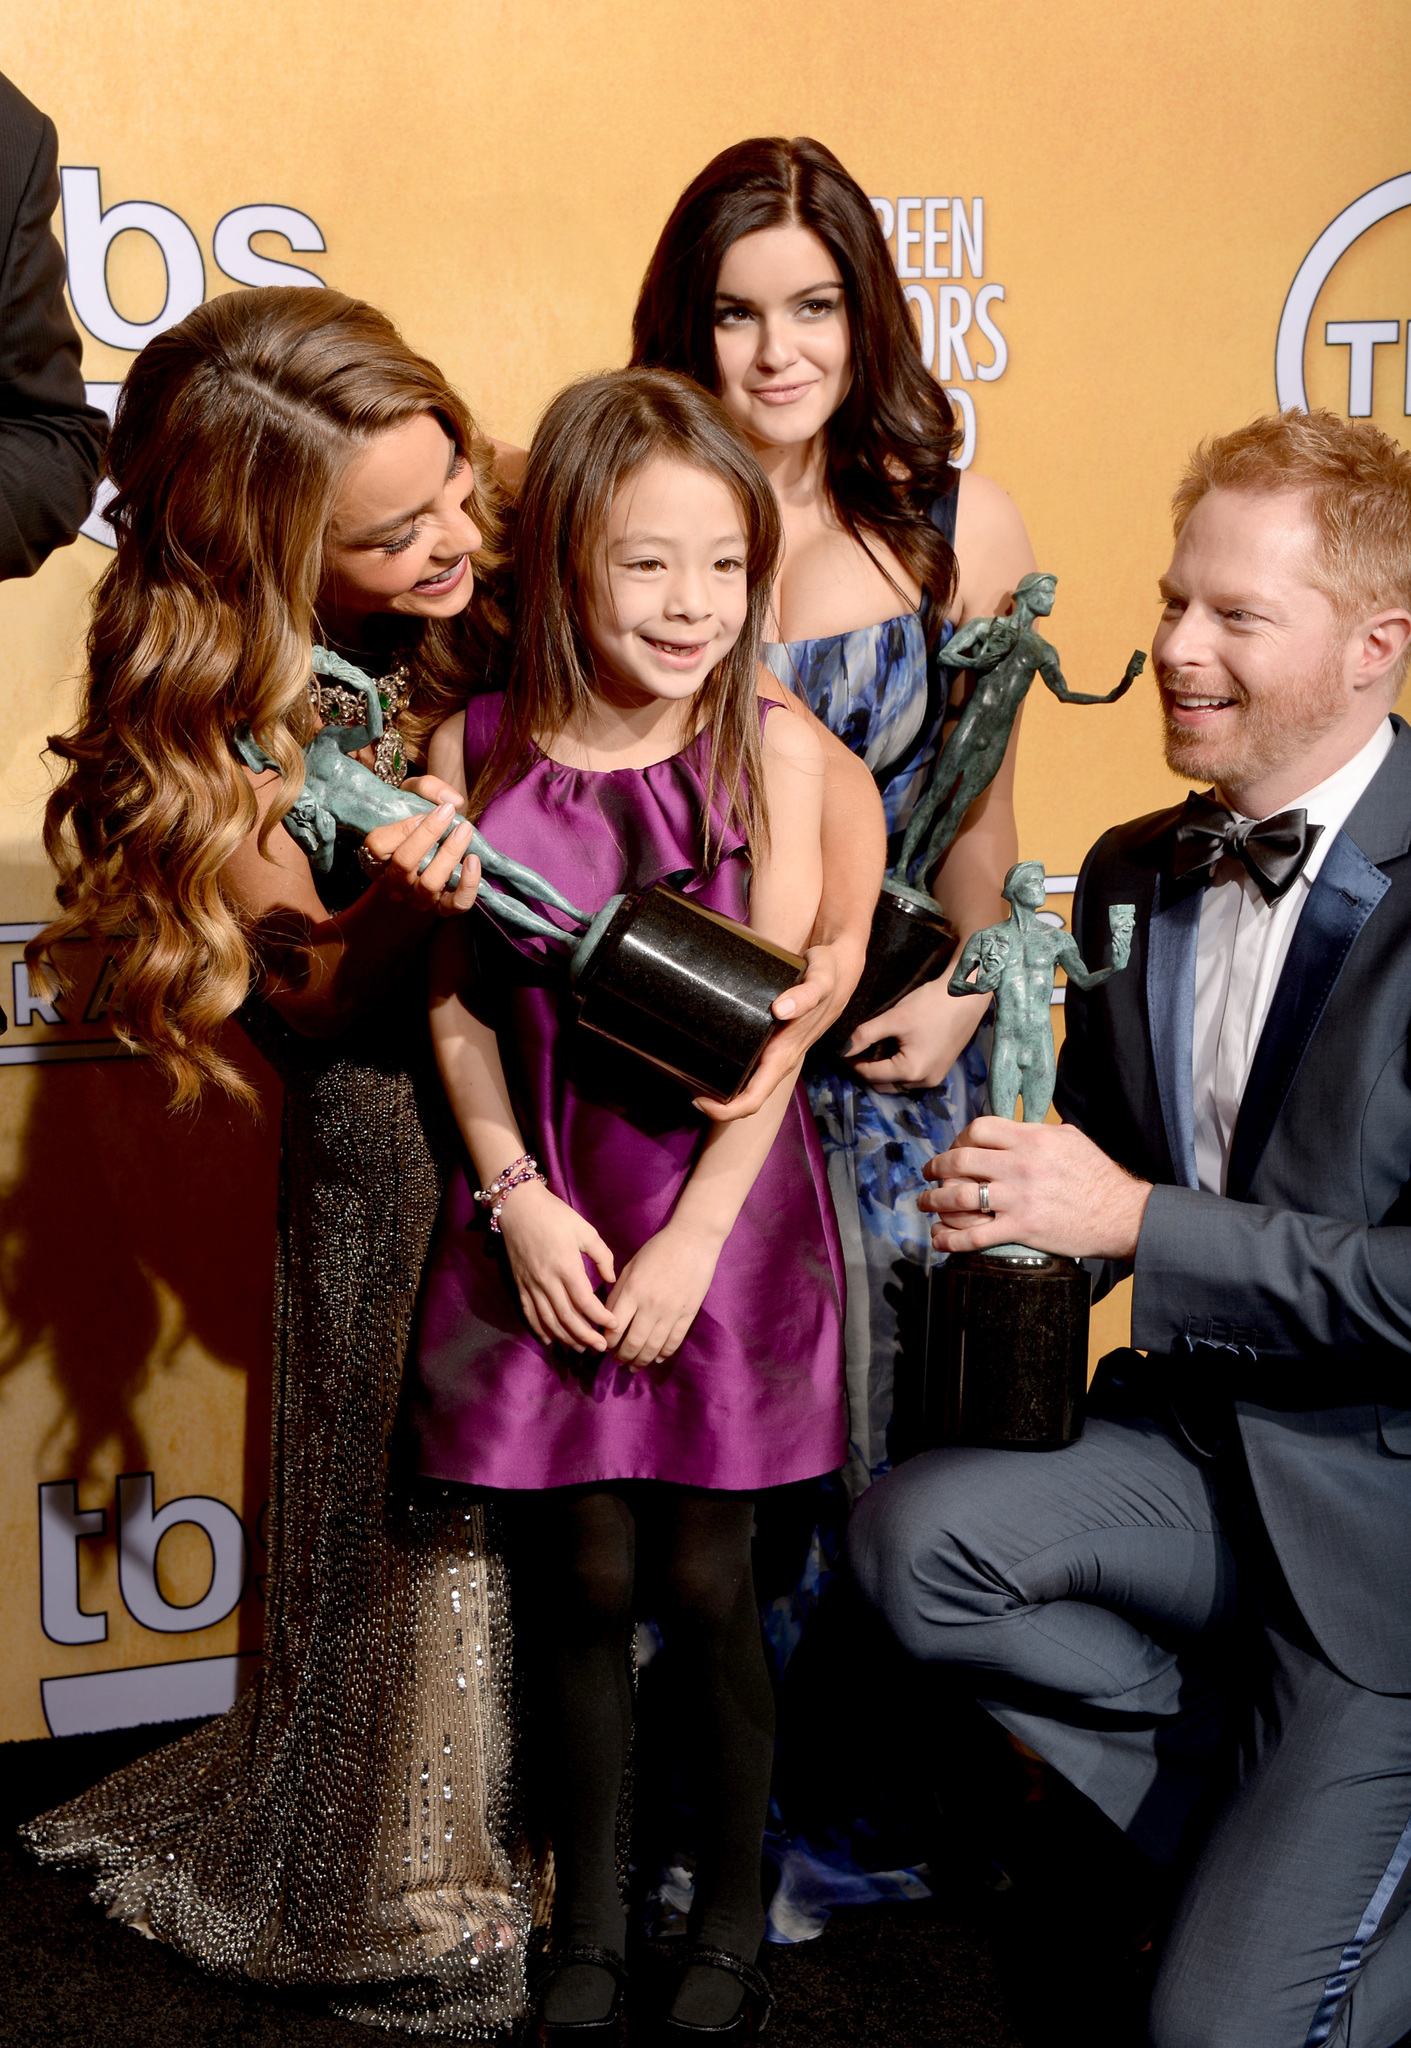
(1118, 229)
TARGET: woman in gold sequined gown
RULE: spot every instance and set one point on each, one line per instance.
(287, 469)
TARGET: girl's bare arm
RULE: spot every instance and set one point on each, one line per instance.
(853, 844)
(931, 1027)
(992, 548)
(545, 1239)
(787, 885)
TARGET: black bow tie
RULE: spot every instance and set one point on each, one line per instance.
(1273, 849)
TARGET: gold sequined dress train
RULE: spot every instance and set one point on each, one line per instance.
(353, 1823)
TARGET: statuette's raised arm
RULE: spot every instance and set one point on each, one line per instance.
(1047, 660)
(1121, 918)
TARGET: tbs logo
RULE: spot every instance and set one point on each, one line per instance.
(90, 230)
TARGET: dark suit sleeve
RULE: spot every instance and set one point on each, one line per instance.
(1293, 1286)
(1297, 1285)
(51, 440)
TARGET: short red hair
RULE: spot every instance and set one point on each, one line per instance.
(1358, 482)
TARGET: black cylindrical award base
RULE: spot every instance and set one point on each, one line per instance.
(1007, 1351)
(686, 988)
(909, 944)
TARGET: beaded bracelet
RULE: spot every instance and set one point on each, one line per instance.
(515, 1175)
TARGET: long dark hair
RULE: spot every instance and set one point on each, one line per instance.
(890, 441)
(593, 437)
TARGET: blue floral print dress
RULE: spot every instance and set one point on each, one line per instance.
(844, 1826)
(844, 1823)
(874, 688)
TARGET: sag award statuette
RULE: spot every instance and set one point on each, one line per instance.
(911, 939)
(683, 987)
(1007, 1328)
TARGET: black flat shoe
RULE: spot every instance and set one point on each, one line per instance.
(604, 2033)
(749, 2022)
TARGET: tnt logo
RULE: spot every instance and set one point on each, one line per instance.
(1363, 339)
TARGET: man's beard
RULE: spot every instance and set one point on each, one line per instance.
(1274, 728)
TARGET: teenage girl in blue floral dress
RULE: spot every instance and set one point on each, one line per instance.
(772, 286)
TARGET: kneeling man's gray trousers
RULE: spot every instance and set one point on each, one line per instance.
(1091, 1593)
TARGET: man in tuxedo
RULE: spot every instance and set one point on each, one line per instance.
(1217, 1576)
(51, 440)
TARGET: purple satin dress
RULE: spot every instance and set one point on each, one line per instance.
(754, 1395)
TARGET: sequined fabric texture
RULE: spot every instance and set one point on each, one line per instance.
(353, 1823)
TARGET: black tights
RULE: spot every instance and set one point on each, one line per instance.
(581, 1553)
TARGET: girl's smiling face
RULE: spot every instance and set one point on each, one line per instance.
(402, 538)
(670, 594)
(782, 344)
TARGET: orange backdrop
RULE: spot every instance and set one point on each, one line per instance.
(1128, 199)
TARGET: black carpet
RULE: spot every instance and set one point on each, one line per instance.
(932, 1974)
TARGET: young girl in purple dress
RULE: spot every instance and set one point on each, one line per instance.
(640, 1329)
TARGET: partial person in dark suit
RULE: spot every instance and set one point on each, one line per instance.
(51, 440)
(1227, 1550)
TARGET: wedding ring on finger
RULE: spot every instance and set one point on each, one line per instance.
(985, 1209)
(372, 863)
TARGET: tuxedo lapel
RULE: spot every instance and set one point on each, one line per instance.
(1347, 890)
(1170, 1009)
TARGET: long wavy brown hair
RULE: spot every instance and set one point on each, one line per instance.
(233, 433)
(593, 437)
(888, 446)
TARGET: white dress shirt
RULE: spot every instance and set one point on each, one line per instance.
(1240, 955)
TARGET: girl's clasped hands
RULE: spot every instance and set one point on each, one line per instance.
(648, 1310)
